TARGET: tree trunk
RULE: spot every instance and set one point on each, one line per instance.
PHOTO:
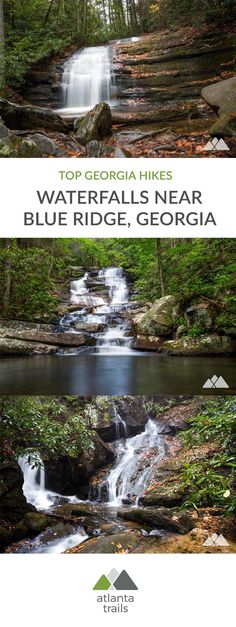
(6, 279)
(48, 12)
(160, 266)
(2, 49)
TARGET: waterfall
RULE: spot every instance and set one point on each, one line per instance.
(120, 425)
(88, 79)
(102, 297)
(126, 480)
(114, 339)
(34, 484)
(80, 294)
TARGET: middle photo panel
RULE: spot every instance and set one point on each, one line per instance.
(117, 316)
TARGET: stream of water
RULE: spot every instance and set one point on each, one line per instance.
(87, 80)
(125, 483)
(112, 336)
(128, 479)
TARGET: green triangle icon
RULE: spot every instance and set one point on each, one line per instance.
(103, 583)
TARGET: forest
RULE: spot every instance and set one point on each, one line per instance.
(33, 272)
(38, 28)
(118, 474)
(152, 62)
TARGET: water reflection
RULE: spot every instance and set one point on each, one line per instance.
(88, 373)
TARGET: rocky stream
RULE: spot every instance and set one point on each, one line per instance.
(103, 340)
(124, 495)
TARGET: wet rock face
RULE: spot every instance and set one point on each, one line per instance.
(131, 410)
(70, 476)
(13, 502)
(96, 124)
(161, 518)
(126, 540)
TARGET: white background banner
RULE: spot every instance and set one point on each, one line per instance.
(173, 590)
(117, 198)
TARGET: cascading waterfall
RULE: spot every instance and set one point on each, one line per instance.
(81, 295)
(88, 79)
(34, 484)
(114, 338)
(106, 310)
(120, 424)
(124, 482)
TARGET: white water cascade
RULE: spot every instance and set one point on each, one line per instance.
(124, 480)
(106, 311)
(34, 485)
(120, 425)
(80, 294)
(87, 80)
(114, 338)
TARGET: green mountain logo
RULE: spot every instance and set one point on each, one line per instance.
(115, 581)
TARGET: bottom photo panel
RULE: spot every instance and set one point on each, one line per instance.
(130, 474)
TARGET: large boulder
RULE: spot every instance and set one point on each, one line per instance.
(160, 518)
(13, 502)
(24, 117)
(16, 147)
(147, 343)
(45, 144)
(20, 347)
(96, 124)
(124, 541)
(43, 337)
(159, 320)
(167, 492)
(221, 96)
(201, 315)
(204, 345)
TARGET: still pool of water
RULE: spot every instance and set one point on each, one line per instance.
(90, 373)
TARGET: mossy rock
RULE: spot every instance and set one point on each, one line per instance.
(159, 320)
(16, 147)
(36, 522)
(159, 517)
(95, 125)
(204, 345)
(125, 541)
(225, 126)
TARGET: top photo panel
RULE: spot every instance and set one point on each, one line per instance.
(117, 78)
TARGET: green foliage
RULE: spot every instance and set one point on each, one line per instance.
(210, 481)
(45, 425)
(192, 268)
(31, 285)
(161, 13)
(37, 29)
